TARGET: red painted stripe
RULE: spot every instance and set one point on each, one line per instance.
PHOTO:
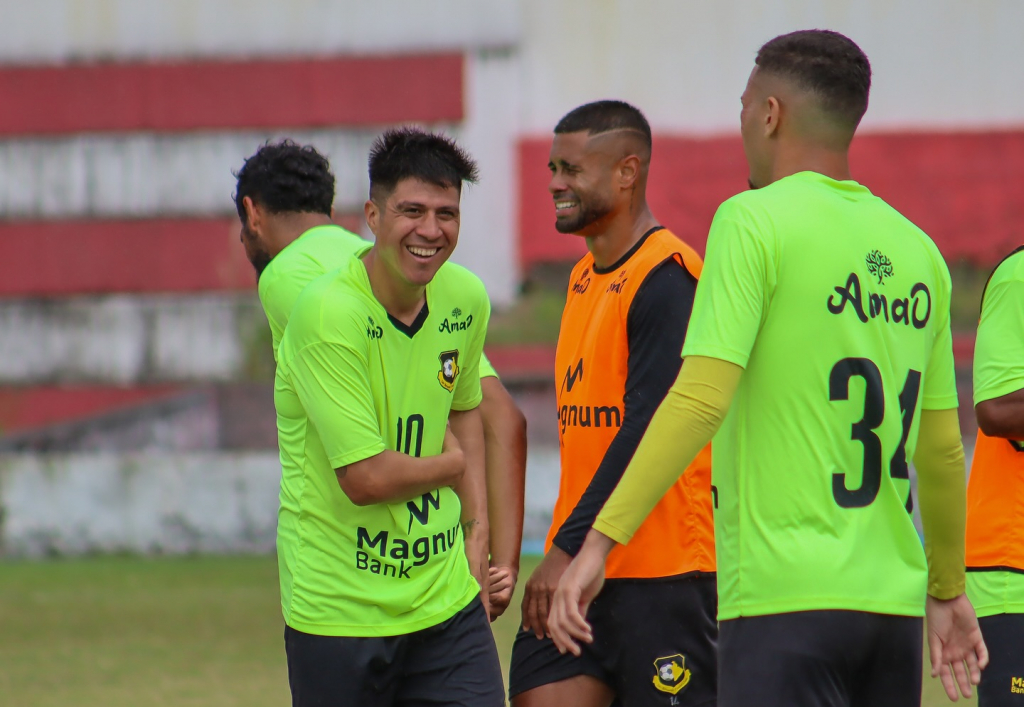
(25, 408)
(79, 257)
(57, 258)
(533, 362)
(231, 94)
(963, 189)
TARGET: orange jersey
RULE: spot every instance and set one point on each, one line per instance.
(591, 366)
(995, 505)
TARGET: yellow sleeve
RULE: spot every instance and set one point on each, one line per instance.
(942, 491)
(684, 423)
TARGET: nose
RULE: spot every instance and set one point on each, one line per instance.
(557, 184)
(430, 227)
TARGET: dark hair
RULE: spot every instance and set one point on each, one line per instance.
(286, 177)
(404, 153)
(604, 116)
(827, 63)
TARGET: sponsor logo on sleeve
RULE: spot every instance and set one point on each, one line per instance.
(449, 369)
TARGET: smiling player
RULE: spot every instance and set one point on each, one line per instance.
(379, 603)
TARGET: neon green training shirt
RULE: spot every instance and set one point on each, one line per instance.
(352, 382)
(309, 256)
(998, 371)
(837, 307)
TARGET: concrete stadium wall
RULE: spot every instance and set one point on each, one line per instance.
(158, 503)
(128, 339)
(937, 63)
(162, 504)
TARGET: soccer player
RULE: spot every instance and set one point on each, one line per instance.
(379, 604)
(284, 197)
(995, 494)
(820, 345)
(625, 318)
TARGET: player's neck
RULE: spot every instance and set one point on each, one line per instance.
(288, 227)
(802, 158)
(399, 299)
(622, 233)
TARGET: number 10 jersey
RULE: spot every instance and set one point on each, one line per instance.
(837, 307)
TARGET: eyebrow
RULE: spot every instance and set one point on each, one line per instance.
(563, 163)
(420, 205)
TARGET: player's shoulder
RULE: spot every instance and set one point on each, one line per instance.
(330, 305)
(455, 281)
(1011, 269)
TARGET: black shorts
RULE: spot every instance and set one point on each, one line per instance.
(1002, 682)
(654, 644)
(454, 663)
(820, 659)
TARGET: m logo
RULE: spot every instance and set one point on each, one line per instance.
(878, 265)
(671, 674)
(449, 369)
(571, 376)
(422, 511)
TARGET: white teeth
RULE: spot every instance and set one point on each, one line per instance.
(423, 252)
(564, 204)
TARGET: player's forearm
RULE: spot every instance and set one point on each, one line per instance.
(392, 476)
(505, 452)
(1002, 416)
(471, 489)
(942, 492)
(685, 422)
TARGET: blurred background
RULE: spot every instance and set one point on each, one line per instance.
(136, 411)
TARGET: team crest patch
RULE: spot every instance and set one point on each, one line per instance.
(449, 370)
(671, 674)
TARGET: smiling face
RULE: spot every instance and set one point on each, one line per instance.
(582, 182)
(416, 229)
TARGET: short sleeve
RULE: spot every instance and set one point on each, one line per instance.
(486, 369)
(468, 393)
(732, 293)
(999, 351)
(330, 378)
(940, 377)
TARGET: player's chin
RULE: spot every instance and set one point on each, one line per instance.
(420, 271)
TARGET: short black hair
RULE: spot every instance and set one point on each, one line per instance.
(284, 176)
(604, 116)
(412, 153)
(827, 63)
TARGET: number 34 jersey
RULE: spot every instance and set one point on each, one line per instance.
(352, 382)
(838, 309)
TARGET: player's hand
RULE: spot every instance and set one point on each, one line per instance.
(502, 582)
(450, 445)
(581, 582)
(478, 552)
(957, 650)
(540, 588)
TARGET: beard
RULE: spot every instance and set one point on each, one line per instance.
(587, 214)
(260, 260)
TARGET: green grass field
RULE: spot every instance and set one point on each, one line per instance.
(131, 632)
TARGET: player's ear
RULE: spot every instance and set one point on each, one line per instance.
(372, 213)
(629, 171)
(771, 117)
(253, 213)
